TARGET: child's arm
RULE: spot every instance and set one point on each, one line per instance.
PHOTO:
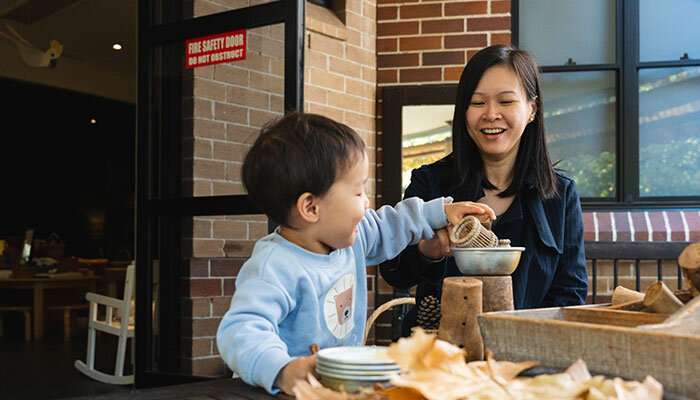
(387, 231)
(248, 336)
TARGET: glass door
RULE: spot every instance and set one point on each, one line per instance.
(211, 73)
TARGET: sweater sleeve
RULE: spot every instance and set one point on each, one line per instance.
(248, 335)
(386, 232)
(410, 267)
(570, 283)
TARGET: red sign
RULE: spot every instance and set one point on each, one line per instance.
(215, 49)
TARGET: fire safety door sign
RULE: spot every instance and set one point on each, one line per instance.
(215, 49)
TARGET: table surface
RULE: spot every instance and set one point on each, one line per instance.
(217, 389)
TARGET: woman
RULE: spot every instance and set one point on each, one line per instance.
(499, 158)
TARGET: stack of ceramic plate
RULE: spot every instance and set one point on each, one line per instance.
(350, 368)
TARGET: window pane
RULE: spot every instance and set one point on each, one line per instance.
(665, 32)
(556, 30)
(579, 113)
(669, 132)
(425, 138)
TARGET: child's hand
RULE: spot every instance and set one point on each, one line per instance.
(457, 211)
(296, 370)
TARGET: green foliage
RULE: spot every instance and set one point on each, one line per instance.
(668, 169)
(594, 174)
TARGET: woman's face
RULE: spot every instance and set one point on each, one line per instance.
(498, 113)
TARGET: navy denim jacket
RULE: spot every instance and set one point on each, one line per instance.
(552, 269)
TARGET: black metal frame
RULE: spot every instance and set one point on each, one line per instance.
(626, 67)
(633, 251)
(158, 202)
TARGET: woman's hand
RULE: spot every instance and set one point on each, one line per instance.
(437, 247)
(297, 369)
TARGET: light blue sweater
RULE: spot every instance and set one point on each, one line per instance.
(287, 298)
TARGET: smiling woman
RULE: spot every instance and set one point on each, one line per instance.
(499, 158)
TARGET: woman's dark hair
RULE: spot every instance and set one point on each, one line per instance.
(296, 154)
(532, 164)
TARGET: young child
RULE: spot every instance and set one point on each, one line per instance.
(305, 283)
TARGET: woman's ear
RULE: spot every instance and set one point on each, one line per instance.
(307, 207)
(533, 110)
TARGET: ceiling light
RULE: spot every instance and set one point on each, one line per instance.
(93, 121)
(117, 46)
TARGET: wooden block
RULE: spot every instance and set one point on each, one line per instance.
(497, 293)
(460, 305)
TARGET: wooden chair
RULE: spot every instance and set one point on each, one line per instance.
(116, 322)
(27, 311)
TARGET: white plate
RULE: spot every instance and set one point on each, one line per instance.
(324, 370)
(356, 367)
(359, 355)
(382, 378)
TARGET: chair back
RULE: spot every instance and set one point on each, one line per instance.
(127, 301)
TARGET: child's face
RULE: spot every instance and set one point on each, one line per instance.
(498, 113)
(343, 206)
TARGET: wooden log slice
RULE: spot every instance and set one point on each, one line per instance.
(623, 295)
(497, 293)
(659, 298)
(461, 303)
(689, 260)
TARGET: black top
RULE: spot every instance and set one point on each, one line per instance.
(552, 269)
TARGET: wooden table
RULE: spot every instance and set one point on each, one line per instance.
(217, 389)
(38, 285)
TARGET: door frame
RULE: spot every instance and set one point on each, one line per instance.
(158, 172)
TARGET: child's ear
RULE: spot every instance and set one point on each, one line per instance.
(307, 207)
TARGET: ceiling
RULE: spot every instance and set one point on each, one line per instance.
(86, 28)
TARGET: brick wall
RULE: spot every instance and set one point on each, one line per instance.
(226, 106)
(429, 42)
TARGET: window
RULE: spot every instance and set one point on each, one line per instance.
(621, 92)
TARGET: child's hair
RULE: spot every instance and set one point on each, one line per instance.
(296, 154)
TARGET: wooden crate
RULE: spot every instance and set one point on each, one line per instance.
(606, 340)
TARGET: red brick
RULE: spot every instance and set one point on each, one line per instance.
(397, 60)
(420, 75)
(226, 266)
(203, 287)
(588, 227)
(385, 13)
(210, 367)
(466, 8)
(692, 218)
(442, 26)
(387, 76)
(488, 24)
(604, 226)
(397, 28)
(220, 305)
(676, 224)
(197, 267)
(205, 327)
(387, 45)
(444, 58)
(453, 73)
(467, 40)
(229, 287)
(197, 308)
(500, 38)
(420, 11)
(641, 231)
(500, 7)
(420, 43)
(658, 226)
(622, 226)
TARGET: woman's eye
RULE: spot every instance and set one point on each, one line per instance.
(476, 103)
(507, 101)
